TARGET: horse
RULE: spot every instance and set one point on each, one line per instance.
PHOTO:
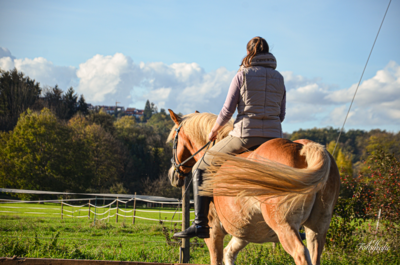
(260, 196)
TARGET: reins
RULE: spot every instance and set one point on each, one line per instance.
(176, 166)
(175, 157)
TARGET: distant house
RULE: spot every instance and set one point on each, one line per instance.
(111, 109)
(130, 111)
(90, 106)
(139, 113)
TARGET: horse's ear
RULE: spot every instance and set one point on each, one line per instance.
(197, 111)
(175, 117)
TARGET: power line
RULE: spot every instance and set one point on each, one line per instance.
(359, 82)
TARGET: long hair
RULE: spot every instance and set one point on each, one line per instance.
(255, 46)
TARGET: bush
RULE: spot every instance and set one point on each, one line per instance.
(377, 189)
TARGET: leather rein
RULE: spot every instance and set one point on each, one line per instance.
(175, 156)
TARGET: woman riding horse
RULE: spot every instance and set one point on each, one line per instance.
(258, 92)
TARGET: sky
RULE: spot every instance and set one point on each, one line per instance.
(182, 55)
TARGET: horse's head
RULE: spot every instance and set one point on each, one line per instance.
(189, 135)
(182, 150)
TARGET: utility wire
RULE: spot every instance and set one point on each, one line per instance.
(359, 82)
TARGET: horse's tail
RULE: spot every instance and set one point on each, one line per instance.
(238, 176)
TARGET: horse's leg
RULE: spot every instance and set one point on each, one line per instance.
(215, 246)
(290, 239)
(215, 243)
(232, 249)
(316, 228)
(317, 224)
(316, 236)
(287, 230)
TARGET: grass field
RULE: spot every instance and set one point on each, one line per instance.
(53, 210)
(26, 233)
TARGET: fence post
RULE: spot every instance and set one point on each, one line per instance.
(379, 217)
(116, 214)
(62, 210)
(95, 211)
(89, 211)
(109, 212)
(126, 202)
(185, 249)
(134, 210)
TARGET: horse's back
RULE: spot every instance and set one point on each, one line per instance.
(282, 151)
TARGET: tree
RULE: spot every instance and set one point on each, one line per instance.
(343, 160)
(63, 105)
(148, 111)
(83, 106)
(106, 156)
(54, 100)
(41, 152)
(103, 119)
(5, 163)
(153, 107)
(17, 94)
(71, 100)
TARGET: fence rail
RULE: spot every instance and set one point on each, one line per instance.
(91, 209)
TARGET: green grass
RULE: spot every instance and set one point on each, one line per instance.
(49, 236)
(53, 210)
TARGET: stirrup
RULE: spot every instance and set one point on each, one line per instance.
(193, 231)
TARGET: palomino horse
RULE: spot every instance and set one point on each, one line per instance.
(283, 185)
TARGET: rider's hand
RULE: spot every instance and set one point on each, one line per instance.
(213, 135)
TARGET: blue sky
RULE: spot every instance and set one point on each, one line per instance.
(183, 54)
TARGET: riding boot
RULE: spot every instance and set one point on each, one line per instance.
(200, 226)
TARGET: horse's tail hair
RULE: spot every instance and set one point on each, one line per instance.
(255, 176)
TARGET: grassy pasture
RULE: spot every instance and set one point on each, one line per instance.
(53, 210)
(30, 234)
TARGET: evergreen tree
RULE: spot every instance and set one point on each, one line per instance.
(17, 94)
(54, 100)
(71, 100)
(148, 111)
(83, 106)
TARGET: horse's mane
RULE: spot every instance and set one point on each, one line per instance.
(197, 127)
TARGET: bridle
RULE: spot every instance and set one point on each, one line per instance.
(175, 156)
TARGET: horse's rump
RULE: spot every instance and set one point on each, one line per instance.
(279, 167)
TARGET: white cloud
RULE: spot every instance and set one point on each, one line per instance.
(107, 79)
(186, 87)
(377, 101)
(190, 88)
(306, 98)
(183, 87)
(42, 70)
(159, 95)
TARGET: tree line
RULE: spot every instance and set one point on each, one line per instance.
(50, 141)
(354, 146)
(18, 93)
